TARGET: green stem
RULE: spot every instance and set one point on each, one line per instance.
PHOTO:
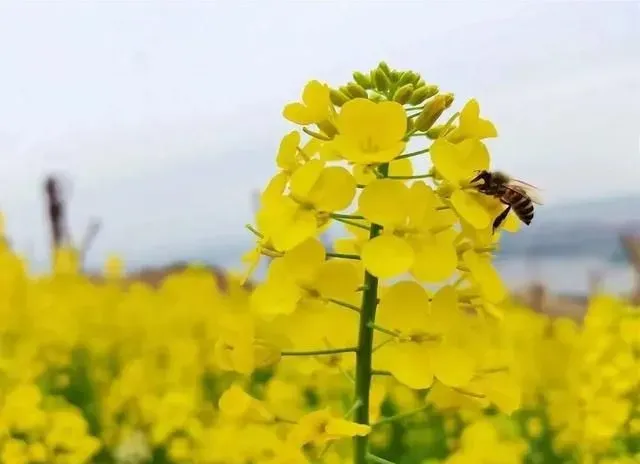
(419, 176)
(344, 304)
(253, 230)
(353, 407)
(351, 223)
(343, 256)
(365, 349)
(377, 459)
(402, 416)
(382, 329)
(346, 216)
(412, 154)
(350, 349)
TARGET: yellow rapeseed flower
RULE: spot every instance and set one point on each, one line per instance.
(426, 337)
(370, 132)
(315, 107)
(471, 125)
(458, 164)
(320, 427)
(412, 237)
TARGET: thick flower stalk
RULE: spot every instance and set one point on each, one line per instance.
(379, 162)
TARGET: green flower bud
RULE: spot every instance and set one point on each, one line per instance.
(422, 93)
(420, 83)
(384, 67)
(380, 80)
(345, 90)
(407, 77)
(363, 80)
(376, 97)
(403, 94)
(356, 91)
(395, 76)
(435, 131)
(433, 110)
(338, 98)
(410, 125)
(439, 131)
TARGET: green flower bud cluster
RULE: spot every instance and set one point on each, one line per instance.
(405, 87)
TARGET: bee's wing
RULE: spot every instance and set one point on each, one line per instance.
(532, 191)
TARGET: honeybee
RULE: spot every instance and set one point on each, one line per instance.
(516, 194)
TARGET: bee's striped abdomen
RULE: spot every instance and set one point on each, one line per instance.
(521, 204)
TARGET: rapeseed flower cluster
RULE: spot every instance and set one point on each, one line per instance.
(398, 344)
(411, 292)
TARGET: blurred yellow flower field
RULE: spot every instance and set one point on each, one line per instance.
(398, 345)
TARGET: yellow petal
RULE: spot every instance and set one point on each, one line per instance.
(288, 150)
(358, 119)
(483, 272)
(411, 366)
(436, 258)
(371, 132)
(475, 157)
(345, 428)
(294, 230)
(242, 358)
(316, 96)
(334, 189)
(298, 114)
(305, 178)
(234, 402)
(275, 188)
(337, 279)
(387, 256)
(444, 310)
(404, 307)
(470, 112)
(385, 202)
(512, 223)
(470, 209)
(447, 161)
(304, 260)
(394, 122)
(502, 390)
(422, 205)
(453, 366)
(401, 167)
(474, 126)
(363, 173)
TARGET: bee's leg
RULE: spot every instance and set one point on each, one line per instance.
(481, 176)
(501, 217)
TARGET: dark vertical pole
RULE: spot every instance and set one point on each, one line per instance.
(55, 213)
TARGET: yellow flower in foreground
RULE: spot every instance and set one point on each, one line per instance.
(320, 427)
(303, 280)
(458, 164)
(413, 237)
(315, 107)
(315, 190)
(427, 345)
(485, 275)
(471, 125)
(370, 132)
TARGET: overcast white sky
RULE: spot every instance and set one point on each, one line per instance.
(166, 115)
